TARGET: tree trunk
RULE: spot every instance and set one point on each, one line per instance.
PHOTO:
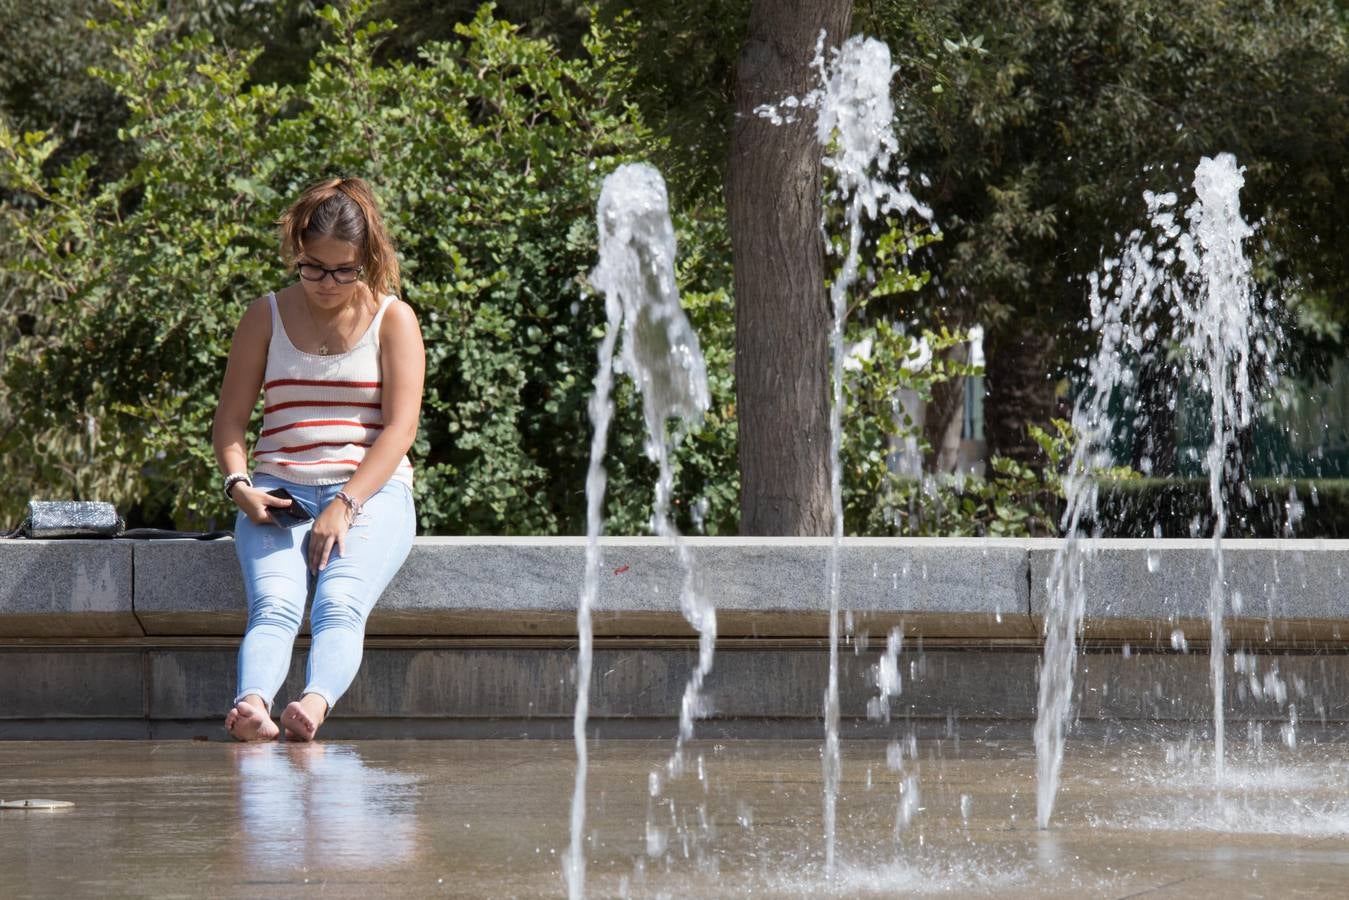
(944, 416)
(1020, 390)
(782, 315)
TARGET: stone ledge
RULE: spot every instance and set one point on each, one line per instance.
(66, 588)
(530, 586)
(958, 589)
(1275, 590)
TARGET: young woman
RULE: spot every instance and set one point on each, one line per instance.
(340, 361)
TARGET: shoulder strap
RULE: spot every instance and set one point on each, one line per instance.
(379, 316)
(166, 534)
(279, 339)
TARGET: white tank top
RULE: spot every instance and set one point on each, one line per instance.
(321, 413)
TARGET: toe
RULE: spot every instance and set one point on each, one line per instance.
(248, 723)
(298, 725)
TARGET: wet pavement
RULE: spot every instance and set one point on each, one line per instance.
(490, 819)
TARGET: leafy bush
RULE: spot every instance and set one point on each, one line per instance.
(1014, 500)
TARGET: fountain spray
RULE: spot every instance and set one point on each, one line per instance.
(855, 126)
(1170, 287)
(660, 352)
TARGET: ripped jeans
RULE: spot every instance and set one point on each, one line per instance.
(277, 581)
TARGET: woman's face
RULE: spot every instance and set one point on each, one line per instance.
(342, 262)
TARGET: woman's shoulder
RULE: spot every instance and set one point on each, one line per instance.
(397, 315)
(257, 318)
(400, 335)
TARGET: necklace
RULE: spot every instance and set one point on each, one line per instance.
(328, 335)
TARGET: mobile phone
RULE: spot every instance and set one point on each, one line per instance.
(289, 516)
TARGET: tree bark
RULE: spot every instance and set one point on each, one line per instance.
(1020, 389)
(943, 419)
(782, 315)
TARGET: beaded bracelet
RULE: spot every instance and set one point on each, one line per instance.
(354, 506)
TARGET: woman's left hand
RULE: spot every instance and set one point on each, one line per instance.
(330, 530)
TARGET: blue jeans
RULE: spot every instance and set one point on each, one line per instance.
(277, 580)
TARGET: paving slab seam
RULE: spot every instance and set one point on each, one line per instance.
(508, 642)
(134, 610)
(1088, 646)
(1160, 887)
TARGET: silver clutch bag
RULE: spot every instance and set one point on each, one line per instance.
(71, 518)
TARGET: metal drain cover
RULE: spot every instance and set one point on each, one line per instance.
(35, 804)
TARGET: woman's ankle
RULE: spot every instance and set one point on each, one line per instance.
(315, 706)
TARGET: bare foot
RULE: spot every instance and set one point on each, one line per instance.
(303, 717)
(247, 722)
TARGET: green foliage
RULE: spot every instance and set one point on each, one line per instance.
(1180, 507)
(119, 287)
(684, 56)
(487, 154)
(1040, 125)
(1013, 500)
(874, 424)
(43, 80)
(48, 49)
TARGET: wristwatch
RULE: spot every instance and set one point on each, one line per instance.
(235, 478)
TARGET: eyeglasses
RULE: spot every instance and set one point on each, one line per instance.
(344, 275)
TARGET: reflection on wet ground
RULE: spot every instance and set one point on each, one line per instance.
(490, 819)
(318, 806)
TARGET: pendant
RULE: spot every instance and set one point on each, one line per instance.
(323, 350)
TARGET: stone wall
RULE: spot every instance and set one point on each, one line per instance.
(476, 637)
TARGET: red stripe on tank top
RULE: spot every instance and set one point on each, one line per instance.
(294, 404)
(319, 382)
(300, 448)
(316, 462)
(314, 423)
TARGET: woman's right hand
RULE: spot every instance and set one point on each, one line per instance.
(255, 502)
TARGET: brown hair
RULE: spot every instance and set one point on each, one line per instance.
(343, 209)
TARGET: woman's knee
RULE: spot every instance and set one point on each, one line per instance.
(274, 612)
(338, 611)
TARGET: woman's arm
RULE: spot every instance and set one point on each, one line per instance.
(402, 357)
(238, 394)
